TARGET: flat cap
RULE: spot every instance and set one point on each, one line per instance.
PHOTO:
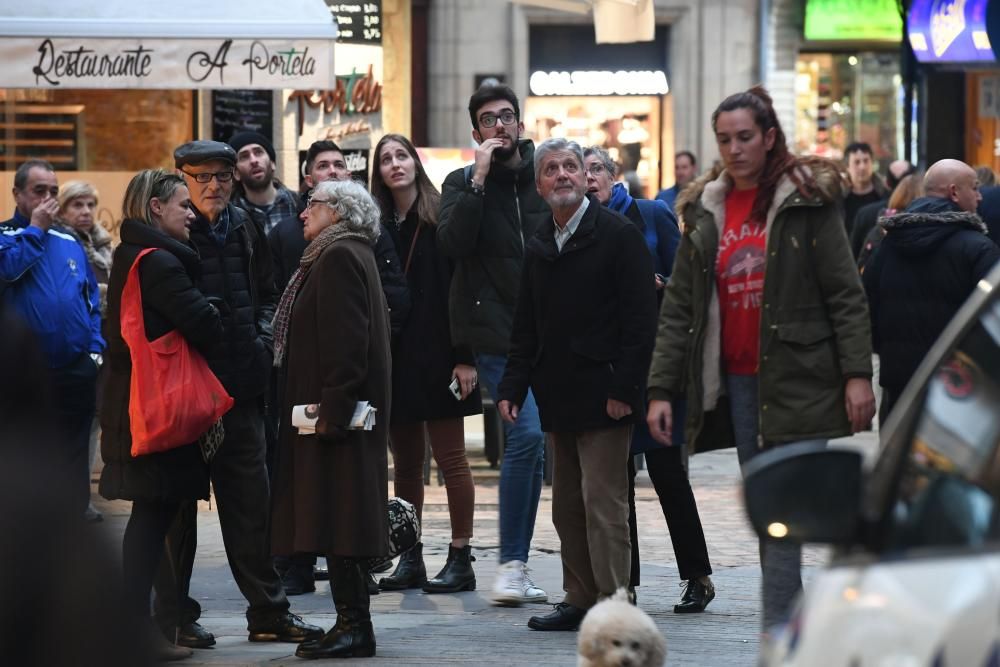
(196, 152)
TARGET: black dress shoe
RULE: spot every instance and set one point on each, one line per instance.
(286, 628)
(191, 635)
(696, 597)
(564, 617)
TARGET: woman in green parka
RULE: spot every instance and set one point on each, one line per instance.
(764, 326)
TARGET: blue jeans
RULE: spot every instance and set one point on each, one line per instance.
(522, 468)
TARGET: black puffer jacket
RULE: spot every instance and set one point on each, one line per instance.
(170, 301)
(239, 272)
(931, 259)
(288, 244)
(486, 234)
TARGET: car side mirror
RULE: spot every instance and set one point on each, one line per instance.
(805, 493)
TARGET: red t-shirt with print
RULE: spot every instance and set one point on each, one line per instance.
(739, 273)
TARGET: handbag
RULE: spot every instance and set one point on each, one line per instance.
(404, 530)
(173, 395)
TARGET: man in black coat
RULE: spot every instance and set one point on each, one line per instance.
(236, 270)
(582, 339)
(933, 255)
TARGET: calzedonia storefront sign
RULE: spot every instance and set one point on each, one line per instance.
(599, 82)
(165, 63)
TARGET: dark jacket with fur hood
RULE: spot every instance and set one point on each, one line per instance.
(928, 264)
(814, 327)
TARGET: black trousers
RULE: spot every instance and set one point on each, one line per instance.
(670, 479)
(75, 403)
(239, 478)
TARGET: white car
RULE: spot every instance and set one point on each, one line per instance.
(915, 575)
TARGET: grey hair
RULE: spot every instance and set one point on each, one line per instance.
(609, 165)
(556, 145)
(355, 207)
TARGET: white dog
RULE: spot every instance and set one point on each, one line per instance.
(616, 633)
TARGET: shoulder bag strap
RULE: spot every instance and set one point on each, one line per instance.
(413, 244)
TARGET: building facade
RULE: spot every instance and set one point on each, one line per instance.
(705, 49)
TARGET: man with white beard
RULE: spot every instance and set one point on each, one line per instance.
(582, 341)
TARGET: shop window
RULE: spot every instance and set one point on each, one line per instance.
(94, 130)
(627, 126)
(40, 131)
(846, 97)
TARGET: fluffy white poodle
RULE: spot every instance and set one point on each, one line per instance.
(617, 634)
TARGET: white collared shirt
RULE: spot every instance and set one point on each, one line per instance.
(562, 235)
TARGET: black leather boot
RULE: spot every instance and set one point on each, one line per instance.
(410, 572)
(456, 575)
(352, 636)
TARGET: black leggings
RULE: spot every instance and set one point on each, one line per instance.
(142, 549)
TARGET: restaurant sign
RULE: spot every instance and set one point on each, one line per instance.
(165, 63)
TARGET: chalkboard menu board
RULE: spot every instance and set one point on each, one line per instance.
(358, 22)
(236, 110)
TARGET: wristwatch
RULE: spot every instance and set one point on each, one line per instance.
(98, 358)
(477, 188)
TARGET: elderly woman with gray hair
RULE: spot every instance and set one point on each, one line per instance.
(77, 208)
(332, 335)
(666, 465)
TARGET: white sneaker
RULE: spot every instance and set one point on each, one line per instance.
(514, 587)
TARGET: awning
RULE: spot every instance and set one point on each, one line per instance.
(174, 44)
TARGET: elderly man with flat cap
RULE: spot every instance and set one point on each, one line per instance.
(236, 274)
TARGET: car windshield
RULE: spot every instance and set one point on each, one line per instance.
(950, 475)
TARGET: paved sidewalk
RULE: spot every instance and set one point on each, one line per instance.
(464, 629)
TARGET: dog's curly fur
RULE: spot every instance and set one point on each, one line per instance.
(617, 634)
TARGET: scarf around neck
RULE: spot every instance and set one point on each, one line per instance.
(283, 315)
(620, 198)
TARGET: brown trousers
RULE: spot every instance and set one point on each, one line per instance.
(590, 512)
(447, 438)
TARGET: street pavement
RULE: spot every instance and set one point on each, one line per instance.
(464, 629)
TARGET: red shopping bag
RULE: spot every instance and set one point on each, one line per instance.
(174, 397)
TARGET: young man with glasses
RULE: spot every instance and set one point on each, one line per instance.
(489, 209)
(236, 273)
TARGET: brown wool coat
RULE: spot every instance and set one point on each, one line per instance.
(330, 491)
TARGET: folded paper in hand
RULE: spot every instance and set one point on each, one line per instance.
(304, 417)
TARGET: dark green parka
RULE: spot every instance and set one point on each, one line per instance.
(814, 327)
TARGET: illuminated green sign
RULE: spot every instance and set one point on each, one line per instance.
(853, 20)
